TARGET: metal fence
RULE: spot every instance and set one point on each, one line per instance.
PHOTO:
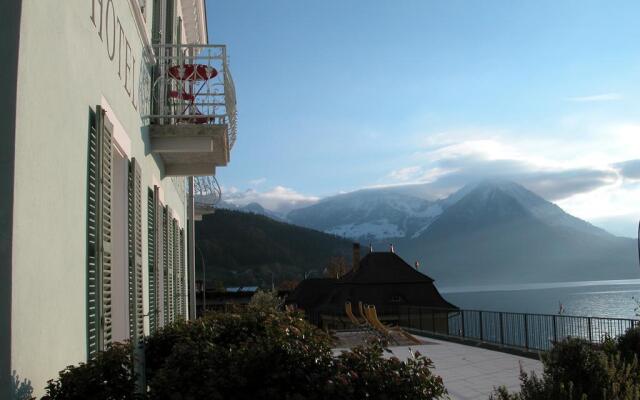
(528, 332)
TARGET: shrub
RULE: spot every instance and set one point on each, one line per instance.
(629, 344)
(263, 354)
(364, 374)
(275, 355)
(577, 369)
(107, 377)
(266, 301)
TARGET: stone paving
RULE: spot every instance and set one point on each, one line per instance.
(470, 372)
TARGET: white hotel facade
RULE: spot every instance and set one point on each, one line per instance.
(109, 108)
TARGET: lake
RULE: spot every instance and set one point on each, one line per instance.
(613, 298)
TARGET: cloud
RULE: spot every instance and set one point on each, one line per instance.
(629, 169)
(257, 182)
(279, 199)
(405, 174)
(595, 97)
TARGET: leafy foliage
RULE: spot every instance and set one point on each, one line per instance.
(629, 343)
(266, 301)
(260, 353)
(577, 369)
(107, 377)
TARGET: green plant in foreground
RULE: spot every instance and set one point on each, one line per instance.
(107, 377)
(578, 370)
(256, 354)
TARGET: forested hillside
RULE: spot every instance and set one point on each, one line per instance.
(241, 248)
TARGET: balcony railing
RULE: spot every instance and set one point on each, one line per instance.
(207, 194)
(517, 331)
(192, 84)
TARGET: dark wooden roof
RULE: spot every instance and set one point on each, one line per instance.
(384, 267)
(382, 279)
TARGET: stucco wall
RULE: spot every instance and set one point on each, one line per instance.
(64, 70)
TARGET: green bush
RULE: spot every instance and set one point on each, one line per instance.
(253, 354)
(107, 377)
(629, 344)
(364, 374)
(576, 369)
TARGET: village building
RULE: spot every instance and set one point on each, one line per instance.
(110, 109)
(381, 279)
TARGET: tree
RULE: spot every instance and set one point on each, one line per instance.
(336, 267)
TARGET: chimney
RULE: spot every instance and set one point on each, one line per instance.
(417, 264)
(391, 249)
(356, 256)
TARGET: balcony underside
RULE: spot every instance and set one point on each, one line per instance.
(190, 149)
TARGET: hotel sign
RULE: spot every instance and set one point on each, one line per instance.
(111, 33)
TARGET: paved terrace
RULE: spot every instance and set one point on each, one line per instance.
(470, 372)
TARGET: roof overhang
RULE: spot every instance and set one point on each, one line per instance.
(194, 16)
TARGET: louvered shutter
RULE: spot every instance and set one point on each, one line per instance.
(169, 267)
(183, 277)
(177, 293)
(151, 256)
(105, 253)
(93, 278)
(165, 268)
(99, 257)
(160, 259)
(136, 311)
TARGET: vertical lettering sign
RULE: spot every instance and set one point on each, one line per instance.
(110, 31)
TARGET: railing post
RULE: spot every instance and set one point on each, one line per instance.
(501, 331)
(589, 327)
(462, 317)
(433, 321)
(526, 332)
(480, 319)
(555, 330)
(420, 316)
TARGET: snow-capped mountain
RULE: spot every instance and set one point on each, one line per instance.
(254, 208)
(371, 213)
(377, 214)
(485, 233)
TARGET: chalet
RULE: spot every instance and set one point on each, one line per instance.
(382, 279)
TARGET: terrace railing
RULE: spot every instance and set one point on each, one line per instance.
(528, 332)
(192, 84)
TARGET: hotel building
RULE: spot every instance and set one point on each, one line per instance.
(110, 108)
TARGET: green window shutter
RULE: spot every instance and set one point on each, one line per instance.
(160, 260)
(151, 256)
(183, 277)
(165, 268)
(170, 267)
(105, 255)
(177, 293)
(93, 279)
(136, 311)
(99, 234)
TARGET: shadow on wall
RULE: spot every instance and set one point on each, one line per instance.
(20, 390)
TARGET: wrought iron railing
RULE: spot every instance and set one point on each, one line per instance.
(207, 194)
(529, 332)
(192, 84)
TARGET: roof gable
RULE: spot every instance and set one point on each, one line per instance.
(384, 267)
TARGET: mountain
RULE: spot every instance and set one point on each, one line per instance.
(244, 248)
(370, 214)
(254, 208)
(489, 232)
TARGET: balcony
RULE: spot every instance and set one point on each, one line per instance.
(192, 123)
(206, 194)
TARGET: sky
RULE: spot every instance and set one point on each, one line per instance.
(340, 95)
